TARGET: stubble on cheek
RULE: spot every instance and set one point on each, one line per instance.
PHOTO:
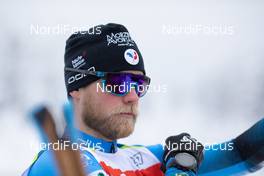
(111, 125)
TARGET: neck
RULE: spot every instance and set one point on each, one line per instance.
(93, 133)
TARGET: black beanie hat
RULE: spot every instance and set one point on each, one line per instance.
(107, 48)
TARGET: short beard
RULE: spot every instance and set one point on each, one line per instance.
(111, 127)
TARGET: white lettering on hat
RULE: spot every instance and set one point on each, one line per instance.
(79, 76)
(120, 38)
(131, 56)
(78, 62)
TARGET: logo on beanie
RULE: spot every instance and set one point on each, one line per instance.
(78, 62)
(131, 56)
(79, 76)
(120, 38)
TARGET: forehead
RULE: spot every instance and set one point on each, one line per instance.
(133, 71)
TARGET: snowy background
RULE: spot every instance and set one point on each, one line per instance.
(214, 79)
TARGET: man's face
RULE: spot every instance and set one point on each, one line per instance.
(111, 116)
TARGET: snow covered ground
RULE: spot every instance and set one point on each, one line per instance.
(209, 55)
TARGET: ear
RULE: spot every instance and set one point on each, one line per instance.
(75, 94)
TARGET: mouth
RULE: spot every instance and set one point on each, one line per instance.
(128, 114)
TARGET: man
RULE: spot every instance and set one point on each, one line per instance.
(105, 78)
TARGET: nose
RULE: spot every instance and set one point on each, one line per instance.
(131, 97)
